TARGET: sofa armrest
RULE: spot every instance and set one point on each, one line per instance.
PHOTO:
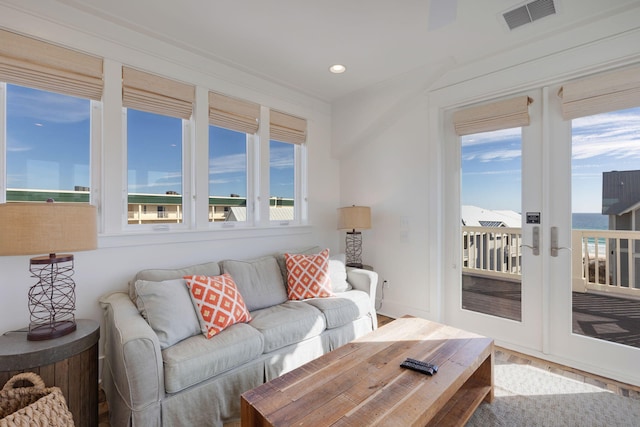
(367, 281)
(132, 355)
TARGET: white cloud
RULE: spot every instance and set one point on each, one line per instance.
(47, 107)
(232, 163)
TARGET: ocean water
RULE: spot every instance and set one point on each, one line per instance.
(589, 221)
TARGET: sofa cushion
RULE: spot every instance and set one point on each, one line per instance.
(219, 303)
(259, 281)
(168, 309)
(159, 274)
(197, 358)
(343, 308)
(308, 275)
(287, 323)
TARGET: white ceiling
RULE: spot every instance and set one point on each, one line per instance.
(293, 42)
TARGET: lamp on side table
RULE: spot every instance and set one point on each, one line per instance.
(354, 218)
(36, 228)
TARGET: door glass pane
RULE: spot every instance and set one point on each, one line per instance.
(605, 179)
(491, 223)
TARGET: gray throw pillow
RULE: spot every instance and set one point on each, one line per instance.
(259, 281)
(168, 309)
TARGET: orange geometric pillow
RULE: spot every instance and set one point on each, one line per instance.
(218, 301)
(308, 275)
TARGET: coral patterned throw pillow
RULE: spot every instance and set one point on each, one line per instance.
(218, 300)
(308, 275)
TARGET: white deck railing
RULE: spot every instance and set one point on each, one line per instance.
(601, 259)
(606, 260)
(492, 251)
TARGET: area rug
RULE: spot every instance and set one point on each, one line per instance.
(526, 395)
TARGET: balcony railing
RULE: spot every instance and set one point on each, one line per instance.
(607, 261)
(602, 260)
(492, 251)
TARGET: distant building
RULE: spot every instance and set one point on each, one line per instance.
(621, 199)
(473, 216)
(621, 202)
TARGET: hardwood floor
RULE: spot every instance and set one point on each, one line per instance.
(500, 354)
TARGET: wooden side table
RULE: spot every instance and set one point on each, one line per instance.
(69, 362)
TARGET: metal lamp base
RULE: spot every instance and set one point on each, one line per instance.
(52, 300)
(54, 330)
(353, 249)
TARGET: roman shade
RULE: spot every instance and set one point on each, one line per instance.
(615, 90)
(504, 114)
(155, 94)
(33, 63)
(232, 113)
(287, 128)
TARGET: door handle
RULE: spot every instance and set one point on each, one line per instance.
(535, 241)
(554, 241)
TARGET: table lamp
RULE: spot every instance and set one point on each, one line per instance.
(354, 218)
(34, 228)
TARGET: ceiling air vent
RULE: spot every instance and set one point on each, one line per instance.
(528, 13)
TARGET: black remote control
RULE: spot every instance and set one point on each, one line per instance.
(419, 366)
(425, 364)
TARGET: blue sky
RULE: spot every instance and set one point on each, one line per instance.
(491, 162)
(47, 149)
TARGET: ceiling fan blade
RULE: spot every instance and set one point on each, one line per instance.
(441, 13)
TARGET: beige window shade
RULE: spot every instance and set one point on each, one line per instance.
(155, 94)
(509, 113)
(606, 92)
(287, 128)
(29, 62)
(233, 113)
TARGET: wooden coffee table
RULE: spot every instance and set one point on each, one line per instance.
(362, 383)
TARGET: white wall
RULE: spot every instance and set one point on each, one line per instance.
(119, 257)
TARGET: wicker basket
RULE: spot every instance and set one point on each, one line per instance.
(33, 406)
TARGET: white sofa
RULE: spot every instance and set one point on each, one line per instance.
(174, 376)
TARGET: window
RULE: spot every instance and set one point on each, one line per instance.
(288, 133)
(281, 181)
(48, 146)
(154, 159)
(46, 94)
(227, 175)
(157, 110)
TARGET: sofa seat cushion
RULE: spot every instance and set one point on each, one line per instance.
(287, 323)
(196, 359)
(343, 308)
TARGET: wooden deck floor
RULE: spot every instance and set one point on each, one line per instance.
(605, 317)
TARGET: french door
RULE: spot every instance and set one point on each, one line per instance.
(515, 269)
(494, 288)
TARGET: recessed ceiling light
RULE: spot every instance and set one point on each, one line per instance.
(337, 68)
